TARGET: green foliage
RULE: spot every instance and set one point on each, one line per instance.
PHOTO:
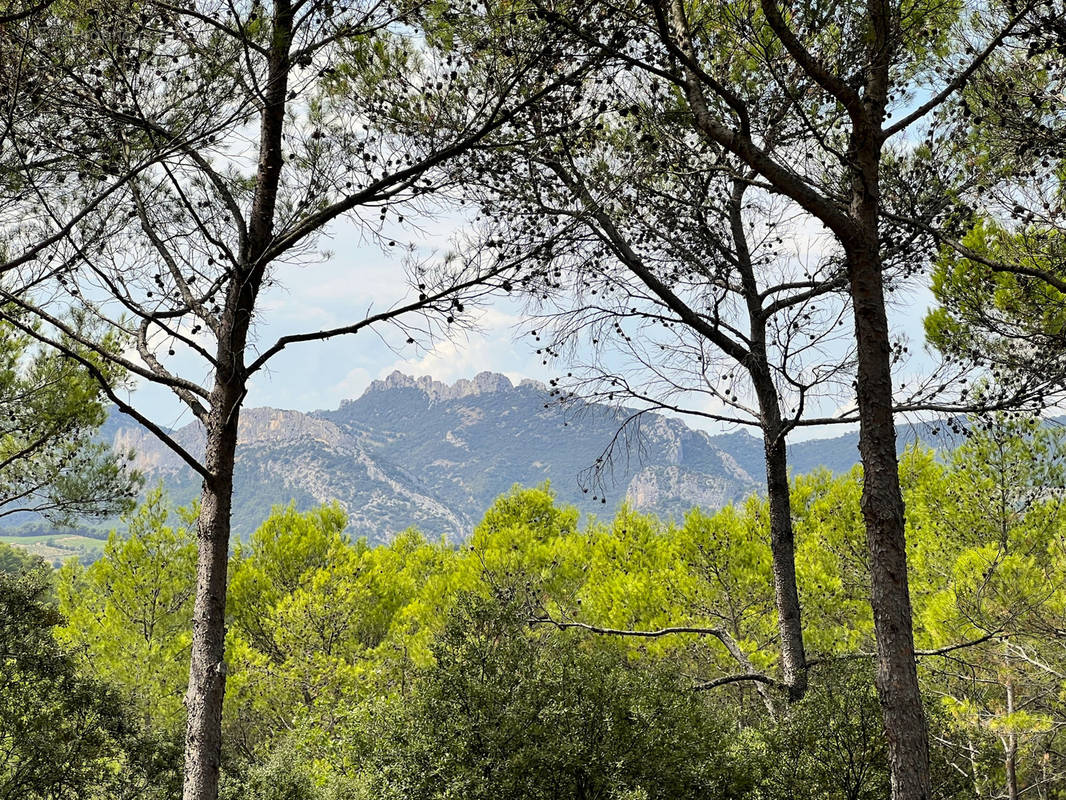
(51, 409)
(15, 560)
(511, 712)
(317, 619)
(831, 745)
(1016, 322)
(283, 774)
(62, 734)
(128, 614)
(525, 539)
(412, 670)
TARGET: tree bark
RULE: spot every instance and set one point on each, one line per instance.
(882, 510)
(207, 674)
(782, 536)
(783, 563)
(1012, 766)
(207, 671)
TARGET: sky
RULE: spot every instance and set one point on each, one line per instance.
(355, 277)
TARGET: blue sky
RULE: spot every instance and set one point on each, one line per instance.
(340, 289)
(356, 276)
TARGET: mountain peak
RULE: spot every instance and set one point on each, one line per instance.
(437, 391)
(406, 456)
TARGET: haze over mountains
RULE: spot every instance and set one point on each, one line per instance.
(416, 452)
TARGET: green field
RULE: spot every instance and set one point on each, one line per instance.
(58, 547)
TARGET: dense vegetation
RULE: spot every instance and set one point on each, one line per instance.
(425, 669)
(52, 468)
(710, 191)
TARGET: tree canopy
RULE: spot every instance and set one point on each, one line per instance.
(550, 655)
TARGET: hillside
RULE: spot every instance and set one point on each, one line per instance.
(417, 452)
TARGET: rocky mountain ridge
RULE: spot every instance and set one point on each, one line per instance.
(418, 452)
(437, 391)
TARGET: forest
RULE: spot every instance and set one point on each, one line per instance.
(550, 659)
(777, 217)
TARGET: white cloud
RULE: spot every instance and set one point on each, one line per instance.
(351, 385)
(492, 347)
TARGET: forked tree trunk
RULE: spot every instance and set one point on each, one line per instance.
(882, 511)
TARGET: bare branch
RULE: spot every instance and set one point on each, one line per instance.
(960, 80)
(756, 677)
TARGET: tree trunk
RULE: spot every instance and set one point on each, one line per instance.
(783, 557)
(1012, 766)
(207, 674)
(782, 540)
(207, 670)
(1011, 744)
(882, 510)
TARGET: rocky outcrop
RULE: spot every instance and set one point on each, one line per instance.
(415, 451)
(278, 425)
(437, 392)
(671, 490)
(149, 456)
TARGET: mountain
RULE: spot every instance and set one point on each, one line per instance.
(417, 452)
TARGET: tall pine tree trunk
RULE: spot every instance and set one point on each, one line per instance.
(207, 670)
(882, 510)
(207, 679)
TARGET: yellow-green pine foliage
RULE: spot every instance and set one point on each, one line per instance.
(128, 614)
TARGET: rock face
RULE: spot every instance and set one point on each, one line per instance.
(437, 392)
(675, 487)
(418, 452)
